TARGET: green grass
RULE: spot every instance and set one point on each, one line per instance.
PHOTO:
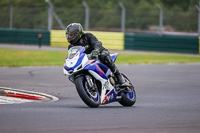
(17, 58)
(156, 58)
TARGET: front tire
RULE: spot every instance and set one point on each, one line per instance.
(83, 91)
(128, 98)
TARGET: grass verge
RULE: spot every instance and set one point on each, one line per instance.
(18, 58)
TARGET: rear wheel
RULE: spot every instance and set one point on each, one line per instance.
(129, 95)
(89, 96)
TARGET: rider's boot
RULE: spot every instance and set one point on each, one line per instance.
(105, 58)
(122, 83)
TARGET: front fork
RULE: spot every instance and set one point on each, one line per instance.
(89, 81)
(91, 84)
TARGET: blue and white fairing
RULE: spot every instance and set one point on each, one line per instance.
(77, 61)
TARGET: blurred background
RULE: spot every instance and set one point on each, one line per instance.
(103, 15)
(145, 25)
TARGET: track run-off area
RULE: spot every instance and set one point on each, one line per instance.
(168, 101)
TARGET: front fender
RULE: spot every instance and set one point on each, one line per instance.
(77, 74)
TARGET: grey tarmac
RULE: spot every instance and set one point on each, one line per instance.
(168, 101)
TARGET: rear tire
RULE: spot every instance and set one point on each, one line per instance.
(81, 87)
(128, 98)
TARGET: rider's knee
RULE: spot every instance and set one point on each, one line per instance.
(105, 57)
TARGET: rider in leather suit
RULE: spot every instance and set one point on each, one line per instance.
(76, 37)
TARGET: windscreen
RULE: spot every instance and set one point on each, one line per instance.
(72, 51)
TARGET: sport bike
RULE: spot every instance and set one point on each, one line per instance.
(94, 81)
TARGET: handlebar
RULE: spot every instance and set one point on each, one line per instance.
(90, 58)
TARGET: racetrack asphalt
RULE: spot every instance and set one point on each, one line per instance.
(168, 101)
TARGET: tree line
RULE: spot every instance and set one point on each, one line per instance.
(104, 14)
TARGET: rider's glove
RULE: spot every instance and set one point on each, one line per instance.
(95, 53)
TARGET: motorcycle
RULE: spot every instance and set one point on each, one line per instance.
(94, 81)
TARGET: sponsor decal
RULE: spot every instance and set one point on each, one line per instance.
(104, 100)
(100, 71)
(108, 97)
(106, 85)
(118, 97)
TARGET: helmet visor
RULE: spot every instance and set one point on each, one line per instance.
(71, 36)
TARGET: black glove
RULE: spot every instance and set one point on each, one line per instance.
(95, 53)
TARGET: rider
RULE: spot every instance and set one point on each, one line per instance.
(76, 37)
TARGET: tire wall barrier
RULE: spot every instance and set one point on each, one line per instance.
(164, 43)
(23, 36)
(110, 40)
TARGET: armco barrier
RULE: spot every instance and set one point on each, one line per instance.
(166, 43)
(110, 40)
(19, 36)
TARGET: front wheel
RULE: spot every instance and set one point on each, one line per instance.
(89, 97)
(128, 98)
